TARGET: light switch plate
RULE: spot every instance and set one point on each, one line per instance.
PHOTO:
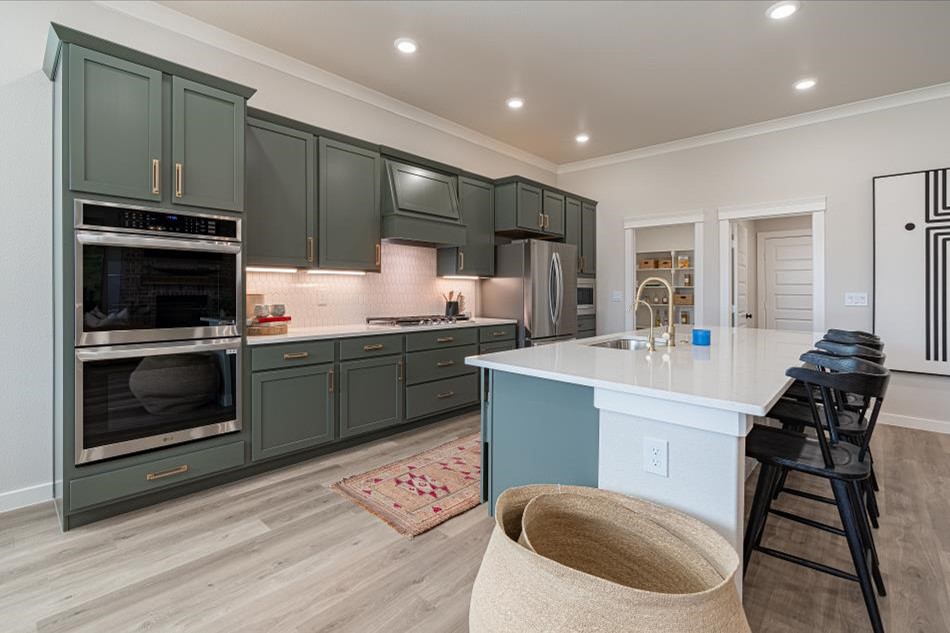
(655, 456)
(616, 296)
(855, 298)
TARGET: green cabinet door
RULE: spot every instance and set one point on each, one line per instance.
(477, 257)
(291, 409)
(371, 394)
(530, 207)
(572, 226)
(554, 213)
(348, 206)
(280, 205)
(207, 146)
(588, 248)
(115, 126)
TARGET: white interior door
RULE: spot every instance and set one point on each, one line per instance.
(740, 275)
(786, 288)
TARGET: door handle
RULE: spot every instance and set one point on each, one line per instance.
(547, 220)
(156, 176)
(179, 180)
(540, 220)
(309, 249)
(501, 333)
(296, 355)
(461, 260)
(447, 394)
(330, 381)
(445, 363)
(400, 376)
(379, 255)
(552, 276)
(445, 339)
(171, 472)
(372, 347)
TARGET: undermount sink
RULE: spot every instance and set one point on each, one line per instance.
(629, 342)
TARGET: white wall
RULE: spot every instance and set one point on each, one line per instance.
(837, 159)
(25, 193)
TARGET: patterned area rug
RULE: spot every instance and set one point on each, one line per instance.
(416, 494)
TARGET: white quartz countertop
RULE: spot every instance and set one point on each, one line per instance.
(362, 329)
(743, 370)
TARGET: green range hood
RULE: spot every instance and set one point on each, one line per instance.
(420, 206)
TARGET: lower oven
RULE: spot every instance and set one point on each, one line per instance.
(586, 296)
(134, 398)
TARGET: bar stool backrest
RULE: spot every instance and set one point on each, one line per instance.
(854, 338)
(859, 351)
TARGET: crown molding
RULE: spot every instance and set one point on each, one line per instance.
(193, 28)
(896, 100)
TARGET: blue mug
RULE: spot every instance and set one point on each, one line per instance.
(701, 337)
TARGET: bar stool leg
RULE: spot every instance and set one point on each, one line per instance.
(868, 536)
(858, 553)
(758, 513)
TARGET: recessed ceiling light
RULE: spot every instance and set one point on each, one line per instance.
(406, 45)
(782, 10)
(582, 138)
(805, 84)
(515, 103)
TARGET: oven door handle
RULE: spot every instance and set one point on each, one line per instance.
(170, 243)
(112, 352)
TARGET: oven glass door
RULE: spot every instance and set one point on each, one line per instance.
(585, 298)
(133, 398)
(134, 289)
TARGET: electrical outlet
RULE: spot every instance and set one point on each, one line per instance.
(855, 298)
(655, 456)
(616, 296)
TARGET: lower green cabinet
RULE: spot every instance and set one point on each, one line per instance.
(292, 409)
(371, 394)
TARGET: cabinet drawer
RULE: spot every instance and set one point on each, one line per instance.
(496, 333)
(497, 346)
(282, 355)
(369, 346)
(153, 475)
(586, 333)
(441, 338)
(587, 322)
(438, 363)
(441, 395)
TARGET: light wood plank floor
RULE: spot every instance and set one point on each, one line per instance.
(282, 552)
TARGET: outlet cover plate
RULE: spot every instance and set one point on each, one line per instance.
(656, 456)
(855, 298)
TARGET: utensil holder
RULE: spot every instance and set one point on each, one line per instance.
(451, 308)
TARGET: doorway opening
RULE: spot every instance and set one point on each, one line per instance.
(772, 265)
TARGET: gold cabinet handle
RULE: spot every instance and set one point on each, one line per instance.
(445, 363)
(498, 333)
(445, 339)
(372, 347)
(547, 220)
(296, 355)
(461, 260)
(155, 176)
(379, 256)
(331, 381)
(309, 249)
(179, 180)
(447, 394)
(171, 472)
(400, 377)
(540, 220)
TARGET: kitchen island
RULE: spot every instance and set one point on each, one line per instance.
(668, 426)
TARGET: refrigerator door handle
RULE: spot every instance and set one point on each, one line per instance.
(552, 292)
(560, 288)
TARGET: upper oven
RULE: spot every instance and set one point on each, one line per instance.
(147, 275)
(586, 295)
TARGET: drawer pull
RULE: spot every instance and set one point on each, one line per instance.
(445, 363)
(372, 347)
(171, 472)
(445, 339)
(296, 355)
(447, 394)
(502, 333)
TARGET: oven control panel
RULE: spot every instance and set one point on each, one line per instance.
(149, 221)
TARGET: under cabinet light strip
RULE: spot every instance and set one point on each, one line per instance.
(358, 273)
(268, 269)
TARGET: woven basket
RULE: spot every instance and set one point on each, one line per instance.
(568, 558)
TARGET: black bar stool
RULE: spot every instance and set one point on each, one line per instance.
(843, 464)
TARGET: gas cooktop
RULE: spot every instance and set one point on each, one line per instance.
(423, 319)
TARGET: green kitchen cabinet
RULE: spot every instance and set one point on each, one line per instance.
(291, 409)
(519, 210)
(477, 257)
(115, 126)
(588, 246)
(371, 394)
(207, 146)
(348, 206)
(280, 206)
(553, 209)
(572, 226)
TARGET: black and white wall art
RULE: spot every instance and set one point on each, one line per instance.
(911, 261)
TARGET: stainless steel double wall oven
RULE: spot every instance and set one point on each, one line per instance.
(158, 328)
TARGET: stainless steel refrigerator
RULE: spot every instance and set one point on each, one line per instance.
(535, 282)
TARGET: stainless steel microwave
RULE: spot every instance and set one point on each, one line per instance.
(586, 296)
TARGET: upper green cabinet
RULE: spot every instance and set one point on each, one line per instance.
(588, 244)
(572, 226)
(553, 213)
(348, 206)
(477, 256)
(207, 146)
(528, 209)
(291, 409)
(280, 204)
(115, 126)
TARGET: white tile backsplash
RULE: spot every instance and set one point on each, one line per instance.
(407, 285)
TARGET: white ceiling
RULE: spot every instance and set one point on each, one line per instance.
(632, 74)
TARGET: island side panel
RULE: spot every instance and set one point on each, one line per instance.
(539, 431)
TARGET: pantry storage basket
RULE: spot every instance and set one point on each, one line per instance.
(570, 558)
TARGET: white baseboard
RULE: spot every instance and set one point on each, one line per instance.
(908, 422)
(23, 497)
